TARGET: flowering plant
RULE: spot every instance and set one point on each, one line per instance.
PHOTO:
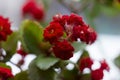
(53, 45)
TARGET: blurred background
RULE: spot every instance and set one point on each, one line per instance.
(102, 15)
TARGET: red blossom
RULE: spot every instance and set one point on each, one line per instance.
(35, 10)
(5, 73)
(97, 74)
(75, 28)
(63, 50)
(104, 65)
(4, 28)
(85, 63)
(53, 32)
(76, 20)
(22, 52)
(84, 33)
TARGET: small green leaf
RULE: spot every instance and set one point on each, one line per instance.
(21, 76)
(117, 61)
(10, 45)
(32, 36)
(70, 74)
(4, 65)
(78, 46)
(37, 74)
(45, 63)
(85, 77)
(84, 54)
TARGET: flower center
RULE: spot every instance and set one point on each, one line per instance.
(51, 31)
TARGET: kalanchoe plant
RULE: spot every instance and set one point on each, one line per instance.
(53, 46)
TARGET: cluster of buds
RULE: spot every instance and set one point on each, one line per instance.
(65, 29)
(32, 8)
(97, 74)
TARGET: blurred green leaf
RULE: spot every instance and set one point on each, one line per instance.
(10, 45)
(78, 46)
(4, 65)
(85, 77)
(70, 74)
(21, 76)
(117, 61)
(45, 63)
(32, 36)
(110, 11)
(84, 54)
(37, 74)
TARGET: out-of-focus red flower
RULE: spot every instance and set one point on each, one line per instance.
(32, 8)
(97, 74)
(63, 50)
(22, 52)
(53, 32)
(4, 28)
(104, 65)
(85, 63)
(5, 73)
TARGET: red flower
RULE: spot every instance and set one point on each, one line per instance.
(22, 52)
(35, 10)
(53, 32)
(84, 33)
(4, 28)
(63, 50)
(75, 28)
(76, 20)
(38, 13)
(85, 63)
(5, 73)
(97, 74)
(104, 66)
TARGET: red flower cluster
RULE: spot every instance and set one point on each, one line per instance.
(33, 9)
(97, 74)
(65, 29)
(5, 73)
(75, 28)
(85, 63)
(63, 50)
(4, 28)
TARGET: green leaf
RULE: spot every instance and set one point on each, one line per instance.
(70, 74)
(37, 74)
(4, 65)
(10, 45)
(85, 77)
(84, 54)
(32, 36)
(21, 76)
(45, 63)
(117, 61)
(78, 46)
